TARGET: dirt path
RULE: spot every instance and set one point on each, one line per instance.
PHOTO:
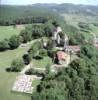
(25, 69)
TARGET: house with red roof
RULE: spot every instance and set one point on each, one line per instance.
(62, 57)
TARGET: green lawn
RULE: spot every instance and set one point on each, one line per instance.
(6, 82)
(7, 78)
(35, 83)
(7, 56)
(8, 31)
(41, 63)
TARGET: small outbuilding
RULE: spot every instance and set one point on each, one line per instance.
(62, 57)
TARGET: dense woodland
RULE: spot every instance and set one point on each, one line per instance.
(37, 13)
(77, 82)
(11, 15)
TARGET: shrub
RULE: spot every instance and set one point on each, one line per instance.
(27, 58)
(4, 45)
(14, 42)
(43, 52)
(34, 72)
(26, 35)
(17, 65)
(34, 50)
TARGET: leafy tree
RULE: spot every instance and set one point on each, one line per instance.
(55, 23)
(4, 45)
(14, 42)
(80, 66)
(48, 29)
(35, 48)
(43, 52)
(17, 65)
(27, 58)
(89, 51)
(51, 44)
(77, 39)
(48, 69)
(26, 35)
(74, 83)
(37, 31)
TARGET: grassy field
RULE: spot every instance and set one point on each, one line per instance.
(6, 82)
(35, 83)
(8, 31)
(7, 78)
(74, 19)
(41, 63)
(7, 56)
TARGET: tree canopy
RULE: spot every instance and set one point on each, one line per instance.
(76, 82)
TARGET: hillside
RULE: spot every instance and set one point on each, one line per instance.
(10, 15)
(13, 12)
(70, 8)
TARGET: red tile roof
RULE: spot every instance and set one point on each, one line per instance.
(61, 55)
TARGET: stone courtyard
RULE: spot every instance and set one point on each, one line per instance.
(23, 83)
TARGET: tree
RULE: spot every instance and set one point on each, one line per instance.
(27, 58)
(43, 52)
(17, 65)
(55, 23)
(77, 39)
(77, 82)
(51, 44)
(14, 41)
(89, 51)
(76, 92)
(48, 69)
(80, 66)
(48, 28)
(4, 45)
(35, 48)
(37, 31)
(26, 35)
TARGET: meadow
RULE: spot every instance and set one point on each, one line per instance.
(74, 19)
(7, 79)
(8, 31)
(42, 63)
